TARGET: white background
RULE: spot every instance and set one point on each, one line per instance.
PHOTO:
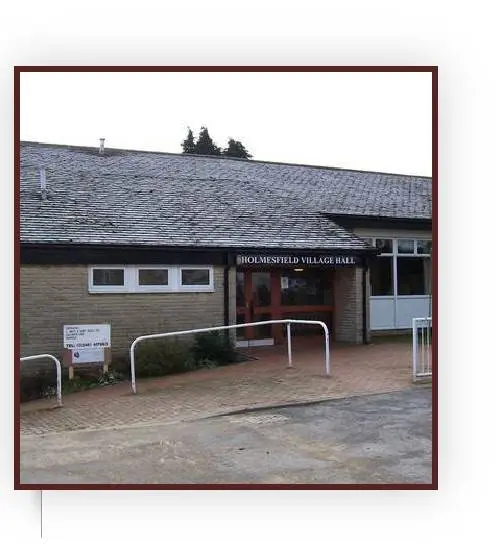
(465, 41)
(362, 121)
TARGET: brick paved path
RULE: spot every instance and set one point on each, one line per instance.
(263, 382)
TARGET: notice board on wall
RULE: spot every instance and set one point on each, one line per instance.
(86, 344)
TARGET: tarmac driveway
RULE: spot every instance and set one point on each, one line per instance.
(368, 439)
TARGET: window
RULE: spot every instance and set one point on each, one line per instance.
(105, 279)
(381, 276)
(424, 247)
(413, 267)
(402, 268)
(405, 245)
(152, 277)
(108, 276)
(413, 276)
(195, 277)
(149, 279)
(305, 288)
(381, 268)
(385, 245)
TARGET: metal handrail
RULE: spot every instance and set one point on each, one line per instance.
(233, 326)
(58, 372)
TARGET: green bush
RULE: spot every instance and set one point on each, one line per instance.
(162, 357)
(43, 385)
(152, 358)
(121, 366)
(33, 387)
(213, 349)
(89, 380)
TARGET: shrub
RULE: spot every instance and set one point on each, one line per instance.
(162, 357)
(33, 387)
(121, 366)
(213, 349)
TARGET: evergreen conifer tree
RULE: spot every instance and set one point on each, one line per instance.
(188, 145)
(236, 150)
(205, 144)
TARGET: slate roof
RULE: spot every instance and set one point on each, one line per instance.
(144, 198)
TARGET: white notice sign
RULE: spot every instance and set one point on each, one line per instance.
(85, 336)
(88, 355)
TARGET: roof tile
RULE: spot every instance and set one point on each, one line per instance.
(141, 198)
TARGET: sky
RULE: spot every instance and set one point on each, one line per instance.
(378, 121)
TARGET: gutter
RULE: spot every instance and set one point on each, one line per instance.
(366, 221)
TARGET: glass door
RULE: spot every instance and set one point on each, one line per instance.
(253, 304)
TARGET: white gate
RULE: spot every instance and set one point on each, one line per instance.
(422, 348)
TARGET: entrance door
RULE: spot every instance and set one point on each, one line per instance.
(254, 304)
(281, 293)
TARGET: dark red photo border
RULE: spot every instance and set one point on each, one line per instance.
(17, 400)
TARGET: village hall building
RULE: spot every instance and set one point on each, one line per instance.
(153, 242)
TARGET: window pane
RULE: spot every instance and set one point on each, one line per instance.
(305, 288)
(424, 247)
(381, 276)
(413, 276)
(385, 245)
(195, 277)
(261, 288)
(405, 245)
(240, 290)
(108, 277)
(153, 277)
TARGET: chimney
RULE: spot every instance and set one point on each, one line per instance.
(102, 145)
(43, 184)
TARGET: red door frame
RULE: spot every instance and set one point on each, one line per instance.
(276, 309)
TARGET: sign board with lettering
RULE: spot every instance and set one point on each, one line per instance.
(86, 345)
(326, 260)
(88, 355)
(83, 336)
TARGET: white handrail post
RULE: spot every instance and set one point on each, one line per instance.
(423, 347)
(132, 359)
(327, 357)
(289, 345)
(415, 347)
(429, 347)
(58, 384)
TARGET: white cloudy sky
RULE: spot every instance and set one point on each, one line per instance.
(364, 120)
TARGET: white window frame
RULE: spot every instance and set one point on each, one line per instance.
(131, 279)
(414, 255)
(92, 288)
(170, 287)
(191, 288)
(394, 267)
(396, 255)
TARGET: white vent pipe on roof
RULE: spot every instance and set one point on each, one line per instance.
(102, 145)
